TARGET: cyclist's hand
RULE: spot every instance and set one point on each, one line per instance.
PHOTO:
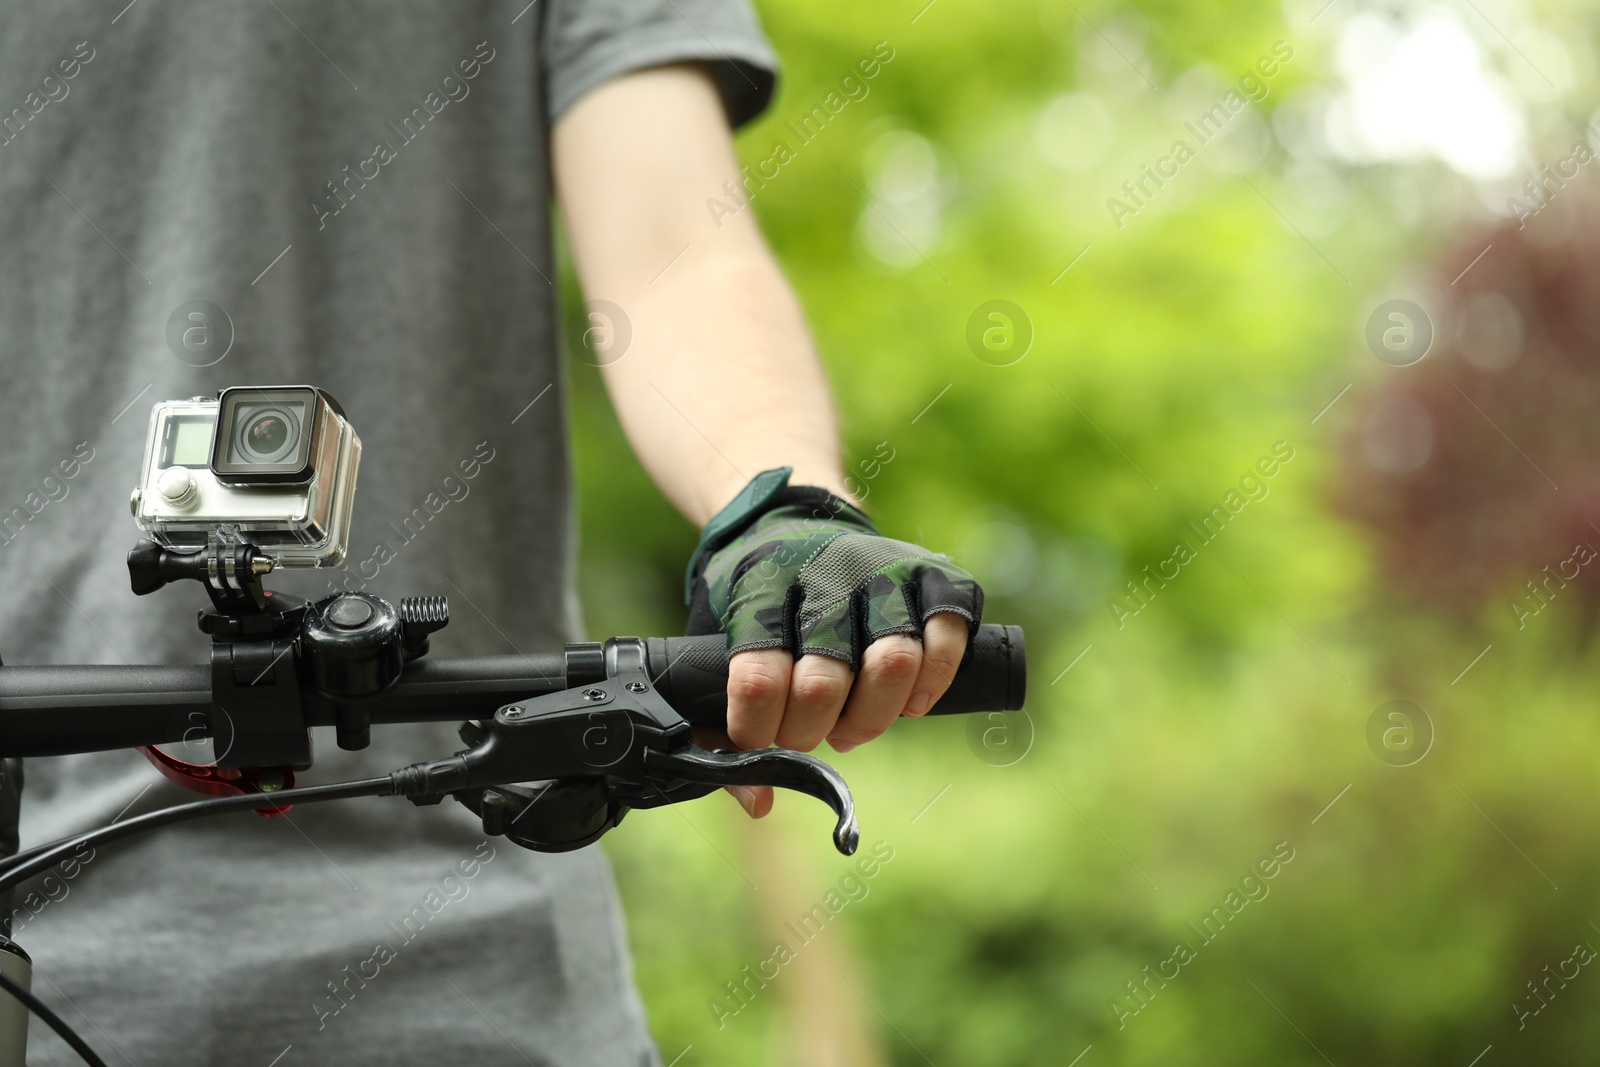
(836, 630)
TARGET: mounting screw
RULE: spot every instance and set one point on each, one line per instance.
(594, 694)
(515, 711)
(637, 687)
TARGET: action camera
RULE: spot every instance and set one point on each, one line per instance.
(272, 466)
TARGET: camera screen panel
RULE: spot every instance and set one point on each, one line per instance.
(187, 441)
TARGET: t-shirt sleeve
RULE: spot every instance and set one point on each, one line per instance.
(589, 42)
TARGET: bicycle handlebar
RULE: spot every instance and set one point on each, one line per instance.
(58, 710)
(692, 673)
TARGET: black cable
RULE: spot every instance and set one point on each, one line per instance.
(43, 858)
(52, 1020)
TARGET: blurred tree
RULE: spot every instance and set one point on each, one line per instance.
(1478, 469)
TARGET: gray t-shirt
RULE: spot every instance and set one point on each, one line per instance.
(362, 189)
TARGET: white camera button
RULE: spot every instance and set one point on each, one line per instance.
(177, 486)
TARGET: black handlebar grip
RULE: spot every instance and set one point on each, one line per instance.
(692, 674)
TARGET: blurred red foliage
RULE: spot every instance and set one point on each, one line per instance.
(1478, 469)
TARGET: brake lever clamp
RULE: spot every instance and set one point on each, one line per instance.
(556, 772)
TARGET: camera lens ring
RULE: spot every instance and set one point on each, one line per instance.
(268, 433)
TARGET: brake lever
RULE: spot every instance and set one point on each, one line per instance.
(765, 766)
(557, 772)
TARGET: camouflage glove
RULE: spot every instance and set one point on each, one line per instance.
(795, 567)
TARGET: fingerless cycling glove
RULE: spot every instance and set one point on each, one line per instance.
(796, 567)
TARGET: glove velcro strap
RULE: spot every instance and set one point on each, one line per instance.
(765, 492)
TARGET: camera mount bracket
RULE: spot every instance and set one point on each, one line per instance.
(267, 648)
(231, 572)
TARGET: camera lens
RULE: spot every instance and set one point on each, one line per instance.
(266, 434)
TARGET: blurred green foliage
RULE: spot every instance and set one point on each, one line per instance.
(1230, 714)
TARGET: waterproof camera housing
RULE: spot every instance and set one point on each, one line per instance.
(272, 466)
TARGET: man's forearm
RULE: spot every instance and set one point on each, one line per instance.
(721, 381)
